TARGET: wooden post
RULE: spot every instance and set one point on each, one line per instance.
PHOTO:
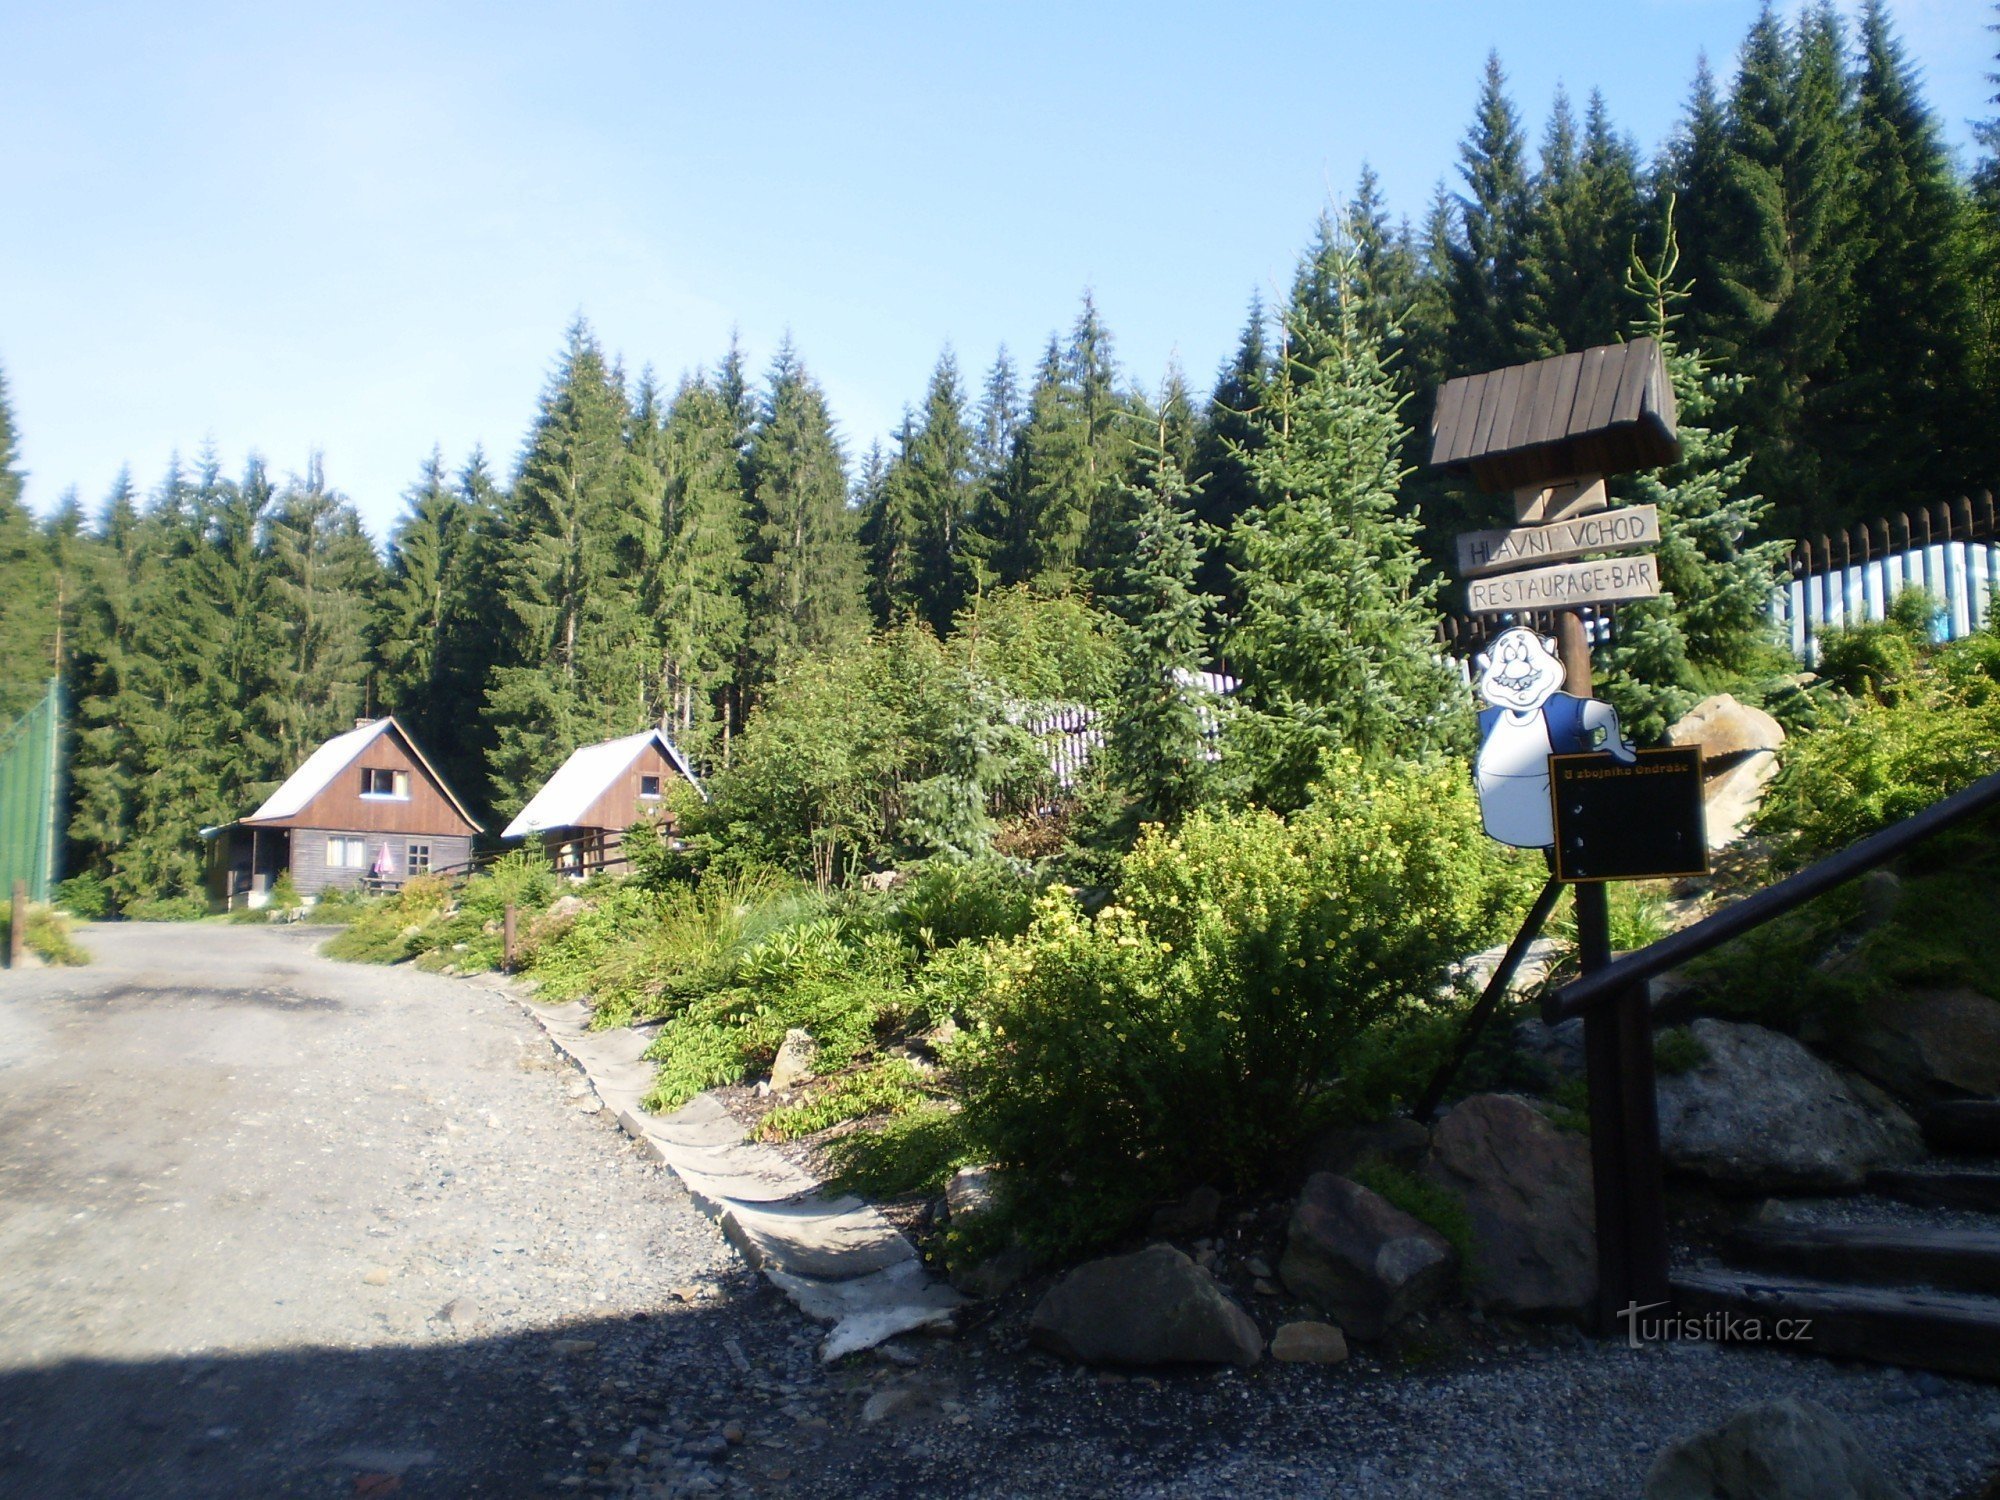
(17, 925)
(1626, 1171)
(507, 940)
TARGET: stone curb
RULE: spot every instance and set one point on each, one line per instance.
(838, 1259)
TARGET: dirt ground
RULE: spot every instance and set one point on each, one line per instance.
(271, 1225)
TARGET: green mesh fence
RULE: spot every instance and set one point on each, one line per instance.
(29, 772)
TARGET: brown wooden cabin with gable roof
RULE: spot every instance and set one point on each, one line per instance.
(364, 809)
(580, 814)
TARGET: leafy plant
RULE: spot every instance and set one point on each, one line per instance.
(1194, 1028)
(47, 937)
(85, 897)
(890, 1087)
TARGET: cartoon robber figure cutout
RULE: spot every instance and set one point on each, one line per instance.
(1529, 719)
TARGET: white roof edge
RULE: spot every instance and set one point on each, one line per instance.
(315, 774)
(562, 800)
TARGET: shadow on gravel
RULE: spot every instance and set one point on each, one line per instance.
(129, 995)
(457, 1416)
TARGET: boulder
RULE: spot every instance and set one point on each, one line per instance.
(1353, 1254)
(1761, 1112)
(1154, 1307)
(1739, 746)
(1309, 1344)
(971, 1191)
(1789, 1449)
(1526, 1189)
(794, 1063)
(1725, 728)
(1927, 1045)
(1339, 1149)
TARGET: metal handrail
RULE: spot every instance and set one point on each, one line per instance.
(1579, 995)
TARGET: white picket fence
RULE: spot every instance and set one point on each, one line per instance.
(1951, 551)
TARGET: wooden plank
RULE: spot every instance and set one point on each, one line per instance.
(1552, 421)
(1945, 1331)
(1490, 399)
(1964, 1260)
(1445, 421)
(1533, 384)
(1494, 551)
(1577, 418)
(1565, 586)
(1641, 355)
(1964, 1125)
(1954, 1187)
(1605, 394)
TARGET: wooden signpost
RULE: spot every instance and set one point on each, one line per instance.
(1550, 432)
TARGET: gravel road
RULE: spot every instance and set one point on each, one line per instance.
(273, 1225)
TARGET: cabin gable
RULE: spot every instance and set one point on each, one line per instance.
(386, 788)
(638, 791)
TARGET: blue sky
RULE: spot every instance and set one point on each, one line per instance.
(286, 228)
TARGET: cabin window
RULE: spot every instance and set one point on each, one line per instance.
(380, 781)
(346, 853)
(649, 788)
(419, 858)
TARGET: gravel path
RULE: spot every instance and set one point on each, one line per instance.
(272, 1225)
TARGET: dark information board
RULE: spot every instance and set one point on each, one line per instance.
(1629, 821)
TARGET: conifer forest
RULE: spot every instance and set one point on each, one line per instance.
(1049, 527)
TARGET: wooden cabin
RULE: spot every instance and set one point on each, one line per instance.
(581, 813)
(365, 809)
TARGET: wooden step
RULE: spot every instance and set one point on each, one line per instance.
(1968, 1127)
(1976, 1188)
(1950, 1332)
(1964, 1260)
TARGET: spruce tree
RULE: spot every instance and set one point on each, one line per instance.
(1710, 627)
(323, 574)
(1487, 291)
(1336, 646)
(579, 535)
(1904, 420)
(1073, 452)
(27, 602)
(807, 567)
(1224, 488)
(1158, 758)
(425, 637)
(699, 605)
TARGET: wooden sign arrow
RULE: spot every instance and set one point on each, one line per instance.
(1483, 552)
(1565, 586)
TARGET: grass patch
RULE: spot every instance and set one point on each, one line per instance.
(890, 1087)
(1677, 1050)
(47, 937)
(914, 1152)
(1426, 1201)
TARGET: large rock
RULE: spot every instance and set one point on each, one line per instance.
(1725, 729)
(1761, 1112)
(1526, 1187)
(1353, 1254)
(794, 1063)
(1739, 747)
(1928, 1045)
(1153, 1308)
(1789, 1449)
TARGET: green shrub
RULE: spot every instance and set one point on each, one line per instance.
(1196, 1027)
(85, 897)
(47, 937)
(1927, 725)
(890, 1087)
(182, 908)
(954, 901)
(818, 975)
(338, 905)
(392, 929)
(913, 1152)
